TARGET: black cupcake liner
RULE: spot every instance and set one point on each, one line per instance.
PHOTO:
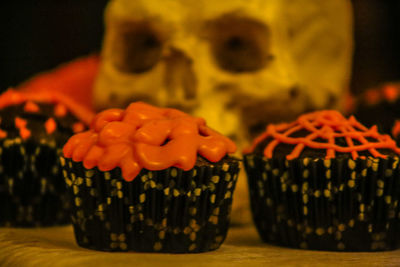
(170, 211)
(339, 204)
(32, 188)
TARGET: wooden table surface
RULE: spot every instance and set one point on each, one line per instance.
(56, 247)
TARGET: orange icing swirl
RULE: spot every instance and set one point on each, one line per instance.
(327, 125)
(143, 136)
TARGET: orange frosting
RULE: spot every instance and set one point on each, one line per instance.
(13, 97)
(60, 110)
(78, 127)
(50, 125)
(3, 134)
(31, 107)
(372, 96)
(396, 129)
(21, 125)
(143, 136)
(349, 103)
(328, 125)
(389, 92)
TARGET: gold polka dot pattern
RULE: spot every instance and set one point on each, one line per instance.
(32, 188)
(332, 204)
(171, 210)
(31, 195)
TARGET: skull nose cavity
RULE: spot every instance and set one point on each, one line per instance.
(294, 92)
(180, 80)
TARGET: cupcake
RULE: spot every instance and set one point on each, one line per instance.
(33, 129)
(150, 179)
(379, 106)
(324, 182)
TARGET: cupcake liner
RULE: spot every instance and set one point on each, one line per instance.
(171, 210)
(32, 188)
(337, 204)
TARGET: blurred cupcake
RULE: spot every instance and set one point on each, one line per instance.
(379, 106)
(324, 182)
(150, 179)
(33, 129)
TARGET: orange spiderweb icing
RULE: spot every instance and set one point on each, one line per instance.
(143, 136)
(327, 125)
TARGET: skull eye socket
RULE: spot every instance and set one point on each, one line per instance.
(137, 47)
(239, 44)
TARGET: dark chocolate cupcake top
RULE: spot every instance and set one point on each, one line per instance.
(35, 116)
(144, 136)
(323, 134)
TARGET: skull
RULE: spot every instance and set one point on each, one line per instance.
(238, 63)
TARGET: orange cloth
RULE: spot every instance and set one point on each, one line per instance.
(74, 79)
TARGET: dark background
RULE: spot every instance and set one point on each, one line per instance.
(377, 46)
(38, 35)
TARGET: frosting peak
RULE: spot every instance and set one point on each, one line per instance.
(144, 136)
(322, 128)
